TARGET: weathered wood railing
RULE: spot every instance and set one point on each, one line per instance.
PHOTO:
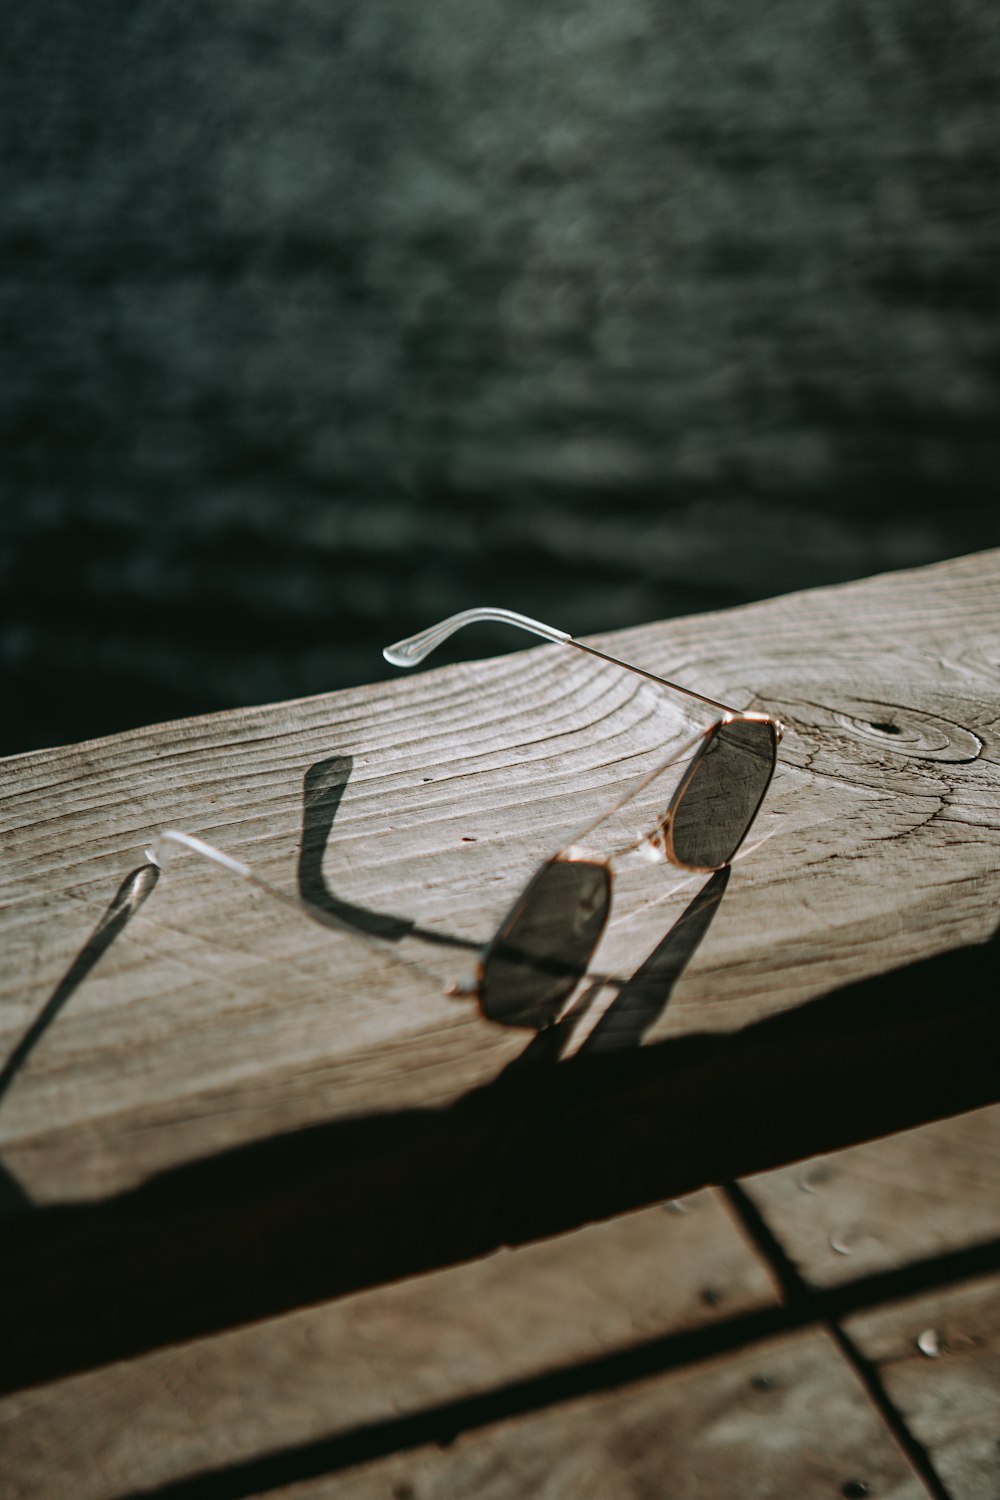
(215, 1109)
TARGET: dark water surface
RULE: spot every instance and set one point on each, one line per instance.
(321, 321)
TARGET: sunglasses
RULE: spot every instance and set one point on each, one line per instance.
(543, 947)
(545, 944)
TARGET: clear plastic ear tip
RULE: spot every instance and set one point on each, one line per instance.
(401, 655)
(165, 847)
(408, 652)
(168, 843)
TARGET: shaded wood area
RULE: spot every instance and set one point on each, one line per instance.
(291, 1387)
(914, 1197)
(939, 1358)
(888, 1242)
(237, 1111)
(667, 1311)
(785, 1418)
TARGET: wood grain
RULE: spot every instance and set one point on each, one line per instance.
(939, 1358)
(239, 1111)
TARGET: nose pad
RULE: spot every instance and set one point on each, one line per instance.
(654, 845)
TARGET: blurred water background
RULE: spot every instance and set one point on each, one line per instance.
(322, 320)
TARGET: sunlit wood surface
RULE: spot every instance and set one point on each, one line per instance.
(237, 1110)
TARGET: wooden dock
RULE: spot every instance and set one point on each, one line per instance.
(217, 1111)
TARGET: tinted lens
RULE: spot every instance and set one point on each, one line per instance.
(544, 946)
(721, 799)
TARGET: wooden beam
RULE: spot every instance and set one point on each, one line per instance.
(918, 1195)
(786, 1417)
(939, 1358)
(232, 1111)
(463, 1336)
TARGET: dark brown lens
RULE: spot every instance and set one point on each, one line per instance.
(542, 949)
(720, 801)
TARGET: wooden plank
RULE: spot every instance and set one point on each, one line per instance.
(888, 1203)
(939, 1359)
(292, 1381)
(239, 1112)
(786, 1418)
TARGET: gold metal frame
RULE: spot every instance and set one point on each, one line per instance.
(661, 837)
(711, 732)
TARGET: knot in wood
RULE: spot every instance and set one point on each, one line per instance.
(915, 733)
(875, 740)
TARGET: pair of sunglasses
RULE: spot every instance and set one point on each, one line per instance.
(545, 944)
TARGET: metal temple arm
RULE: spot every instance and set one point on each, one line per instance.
(412, 650)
